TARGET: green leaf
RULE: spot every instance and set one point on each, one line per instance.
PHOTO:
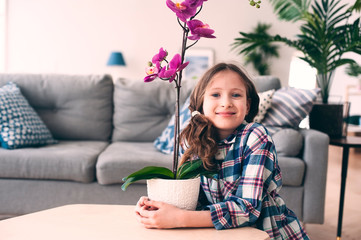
(290, 10)
(147, 173)
(188, 167)
(193, 169)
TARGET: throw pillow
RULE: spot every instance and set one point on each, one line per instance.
(165, 141)
(20, 126)
(265, 101)
(289, 107)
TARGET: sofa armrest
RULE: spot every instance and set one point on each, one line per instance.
(315, 155)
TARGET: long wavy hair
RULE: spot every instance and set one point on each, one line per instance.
(200, 137)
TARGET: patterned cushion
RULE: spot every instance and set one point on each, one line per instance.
(20, 126)
(165, 141)
(289, 107)
(265, 102)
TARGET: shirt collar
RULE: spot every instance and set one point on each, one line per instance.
(231, 138)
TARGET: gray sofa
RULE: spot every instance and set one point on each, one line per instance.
(106, 130)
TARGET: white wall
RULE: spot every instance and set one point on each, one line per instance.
(77, 36)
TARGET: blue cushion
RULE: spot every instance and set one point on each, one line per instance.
(289, 107)
(20, 126)
(165, 141)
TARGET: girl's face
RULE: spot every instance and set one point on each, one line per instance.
(225, 102)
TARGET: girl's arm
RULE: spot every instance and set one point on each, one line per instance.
(154, 214)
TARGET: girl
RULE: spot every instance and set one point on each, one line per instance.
(245, 190)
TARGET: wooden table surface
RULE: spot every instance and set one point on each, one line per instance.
(105, 222)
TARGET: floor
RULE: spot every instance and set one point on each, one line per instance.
(351, 227)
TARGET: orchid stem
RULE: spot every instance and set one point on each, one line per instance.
(192, 44)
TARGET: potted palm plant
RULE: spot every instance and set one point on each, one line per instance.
(326, 34)
(158, 178)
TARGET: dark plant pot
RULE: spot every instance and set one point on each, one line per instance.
(329, 118)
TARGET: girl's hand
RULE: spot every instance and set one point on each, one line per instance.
(141, 204)
(154, 214)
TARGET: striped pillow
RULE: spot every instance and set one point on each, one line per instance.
(289, 107)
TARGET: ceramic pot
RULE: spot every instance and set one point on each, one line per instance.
(182, 193)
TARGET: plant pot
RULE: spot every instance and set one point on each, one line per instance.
(180, 193)
(330, 118)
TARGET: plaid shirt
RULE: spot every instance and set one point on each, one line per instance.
(245, 191)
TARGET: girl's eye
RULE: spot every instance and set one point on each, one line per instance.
(236, 95)
(215, 95)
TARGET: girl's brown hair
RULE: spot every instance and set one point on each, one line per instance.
(200, 136)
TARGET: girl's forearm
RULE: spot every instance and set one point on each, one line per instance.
(196, 219)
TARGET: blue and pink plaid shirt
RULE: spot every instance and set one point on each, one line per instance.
(245, 191)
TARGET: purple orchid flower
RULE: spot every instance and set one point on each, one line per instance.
(196, 3)
(152, 72)
(159, 57)
(150, 78)
(184, 9)
(199, 29)
(174, 66)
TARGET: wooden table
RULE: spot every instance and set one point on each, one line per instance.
(105, 222)
(346, 143)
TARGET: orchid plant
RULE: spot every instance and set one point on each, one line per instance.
(160, 68)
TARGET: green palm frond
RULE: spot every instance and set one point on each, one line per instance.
(290, 10)
(257, 54)
(357, 6)
(353, 70)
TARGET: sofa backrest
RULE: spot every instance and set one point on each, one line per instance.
(264, 83)
(74, 107)
(143, 110)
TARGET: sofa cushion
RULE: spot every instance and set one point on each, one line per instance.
(288, 142)
(265, 102)
(73, 107)
(289, 107)
(67, 160)
(143, 110)
(165, 141)
(123, 158)
(292, 169)
(20, 126)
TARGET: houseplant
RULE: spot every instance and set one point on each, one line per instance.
(171, 71)
(259, 57)
(325, 36)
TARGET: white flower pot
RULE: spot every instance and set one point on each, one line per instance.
(181, 193)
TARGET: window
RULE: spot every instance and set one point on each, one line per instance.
(302, 75)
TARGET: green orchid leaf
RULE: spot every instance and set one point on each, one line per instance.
(193, 169)
(190, 166)
(142, 177)
(151, 170)
(147, 173)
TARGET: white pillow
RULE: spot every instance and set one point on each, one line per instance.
(265, 102)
